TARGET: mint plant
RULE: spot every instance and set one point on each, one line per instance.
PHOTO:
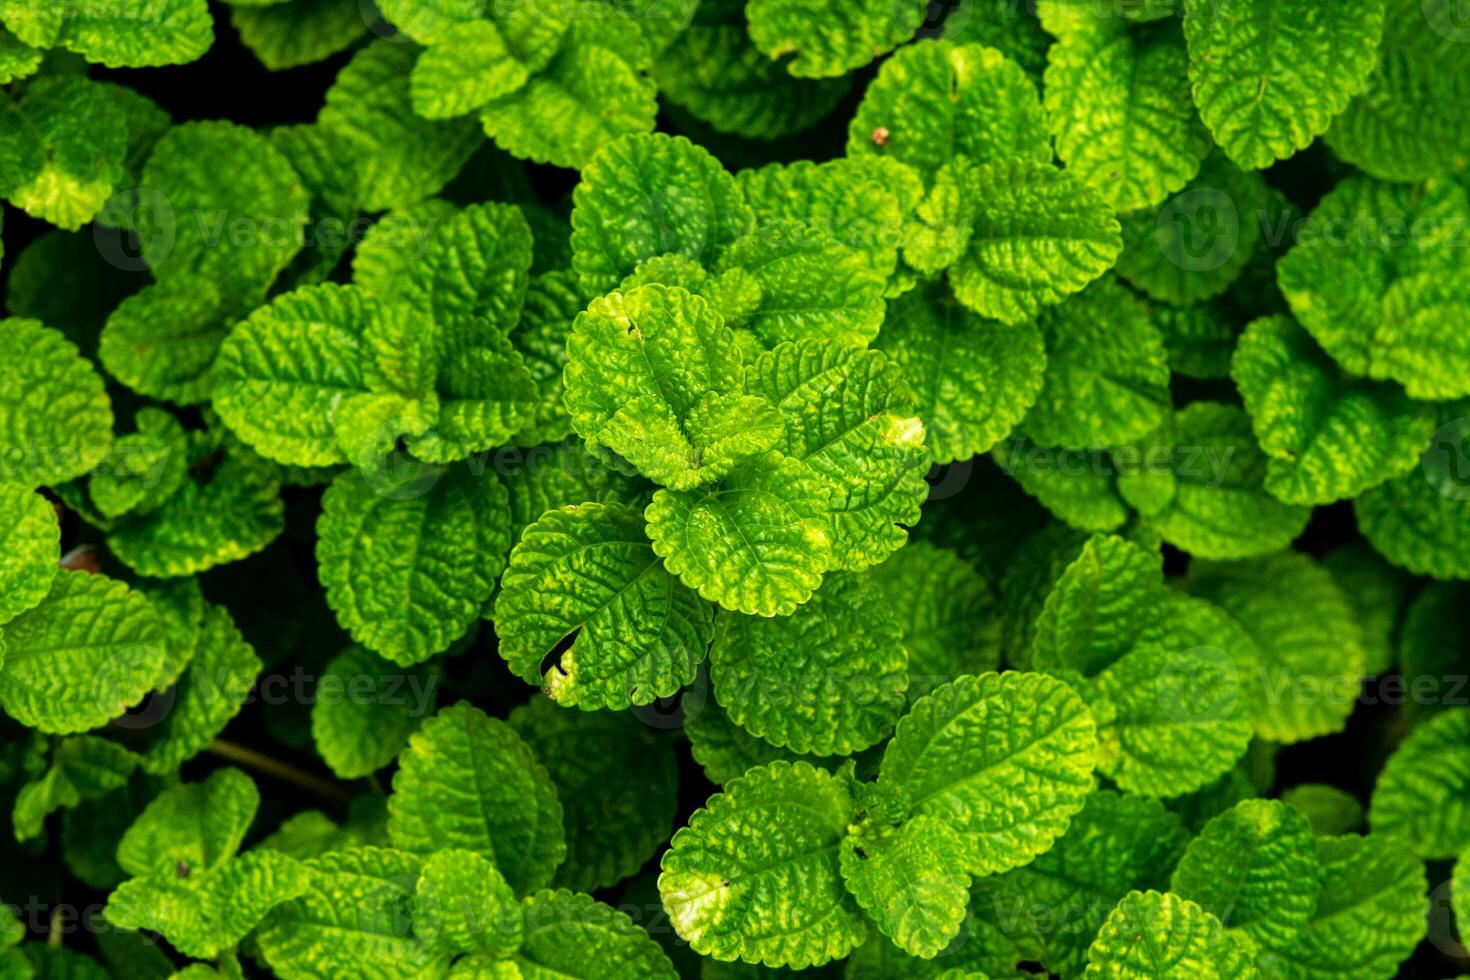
(707, 488)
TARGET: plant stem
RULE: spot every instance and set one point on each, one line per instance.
(274, 767)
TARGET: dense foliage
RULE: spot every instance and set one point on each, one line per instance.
(708, 488)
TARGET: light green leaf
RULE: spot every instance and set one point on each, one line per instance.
(1118, 103)
(725, 750)
(365, 709)
(594, 95)
(934, 101)
(1330, 811)
(467, 780)
(19, 60)
(1269, 75)
(589, 572)
(948, 613)
(351, 919)
(1219, 508)
(133, 34)
(827, 41)
(467, 67)
(144, 469)
(1408, 122)
(973, 379)
(1311, 655)
(407, 567)
(827, 680)
(82, 768)
(398, 157)
(645, 196)
(299, 32)
(910, 883)
(1007, 759)
(74, 141)
(238, 234)
(617, 778)
(1420, 796)
(757, 543)
(1115, 843)
(849, 419)
(211, 691)
(1384, 302)
(755, 874)
(1107, 375)
(196, 827)
(30, 547)
(162, 340)
(88, 652)
(1369, 918)
(545, 478)
(1327, 436)
(553, 301)
(485, 393)
(463, 905)
(396, 243)
(1078, 486)
(1153, 936)
(1256, 865)
(1421, 520)
(475, 263)
(1096, 611)
(577, 937)
(55, 417)
(1040, 235)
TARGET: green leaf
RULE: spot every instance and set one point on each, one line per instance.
(194, 826)
(74, 141)
(467, 780)
(1407, 123)
(463, 905)
(948, 613)
(30, 547)
(617, 778)
(1369, 918)
(827, 680)
(407, 567)
(973, 378)
(55, 417)
(397, 243)
(485, 393)
(1197, 243)
(1199, 339)
(1219, 508)
(1419, 521)
(1431, 643)
(909, 883)
(1118, 103)
(1107, 376)
(545, 478)
(725, 750)
(1256, 865)
(719, 76)
(577, 937)
(1420, 796)
(1269, 75)
(1006, 758)
(934, 101)
(162, 340)
(238, 234)
(1330, 811)
(1153, 936)
(650, 195)
(1104, 600)
(206, 913)
(1040, 235)
(351, 918)
(1078, 486)
(229, 508)
(594, 95)
(1311, 653)
(124, 35)
(397, 156)
(826, 41)
(552, 304)
(144, 469)
(1116, 843)
(210, 693)
(757, 543)
(88, 652)
(82, 768)
(467, 67)
(755, 875)
(476, 263)
(19, 60)
(1386, 304)
(848, 414)
(1328, 436)
(649, 375)
(588, 572)
(300, 32)
(364, 710)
